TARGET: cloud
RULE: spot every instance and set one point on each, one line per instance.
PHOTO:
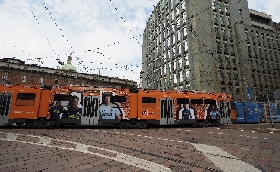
(85, 25)
(270, 7)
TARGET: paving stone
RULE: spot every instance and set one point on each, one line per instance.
(84, 167)
(255, 151)
(275, 163)
(113, 169)
(100, 167)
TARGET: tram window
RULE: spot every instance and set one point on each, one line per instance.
(148, 100)
(197, 101)
(210, 101)
(183, 101)
(62, 97)
(118, 99)
(25, 99)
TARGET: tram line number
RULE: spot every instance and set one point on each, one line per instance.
(5, 101)
(166, 108)
(90, 107)
(225, 109)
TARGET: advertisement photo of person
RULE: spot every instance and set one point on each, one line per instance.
(107, 110)
(56, 111)
(212, 112)
(73, 111)
(184, 112)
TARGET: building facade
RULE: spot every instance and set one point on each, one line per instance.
(14, 71)
(211, 45)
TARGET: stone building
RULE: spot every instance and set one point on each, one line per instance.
(14, 71)
(211, 45)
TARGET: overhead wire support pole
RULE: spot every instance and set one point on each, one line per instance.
(99, 77)
(270, 111)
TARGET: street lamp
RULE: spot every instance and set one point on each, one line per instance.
(270, 111)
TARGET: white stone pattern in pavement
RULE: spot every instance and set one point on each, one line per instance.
(120, 157)
(224, 160)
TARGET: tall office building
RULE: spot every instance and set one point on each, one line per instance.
(211, 45)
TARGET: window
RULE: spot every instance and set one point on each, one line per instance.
(62, 97)
(231, 48)
(249, 50)
(223, 32)
(168, 42)
(222, 76)
(225, 48)
(118, 99)
(216, 31)
(186, 45)
(247, 38)
(229, 76)
(25, 99)
(177, 10)
(183, 5)
(220, 60)
(215, 18)
(222, 20)
(178, 36)
(218, 47)
(210, 101)
(220, 6)
(185, 31)
(179, 63)
(175, 78)
(148, 100)
(4, 76)
(254, 77)
(197, 101)
(228, 21)
(179, 49)
(187, 59)
(174, 65)
(226, 8)
(230, 90)
(181, 76)
(235, 76)
(172, 15)
(183, 101)
(213, 5)
(178, 24)
(23, 78)
(229, 34)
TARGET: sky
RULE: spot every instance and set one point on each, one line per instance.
(105, 35)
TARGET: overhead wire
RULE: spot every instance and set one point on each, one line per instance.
(41, 28)
(32, 57)
(55, 22)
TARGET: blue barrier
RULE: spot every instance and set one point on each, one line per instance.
(251, 112)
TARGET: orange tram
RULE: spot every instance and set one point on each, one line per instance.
(54, 106)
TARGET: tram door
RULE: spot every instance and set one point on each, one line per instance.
(5, 106)
(90, 110)
(166, 111)
(225, 112)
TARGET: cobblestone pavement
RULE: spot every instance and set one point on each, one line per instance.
(262, 127)
(153, 149)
